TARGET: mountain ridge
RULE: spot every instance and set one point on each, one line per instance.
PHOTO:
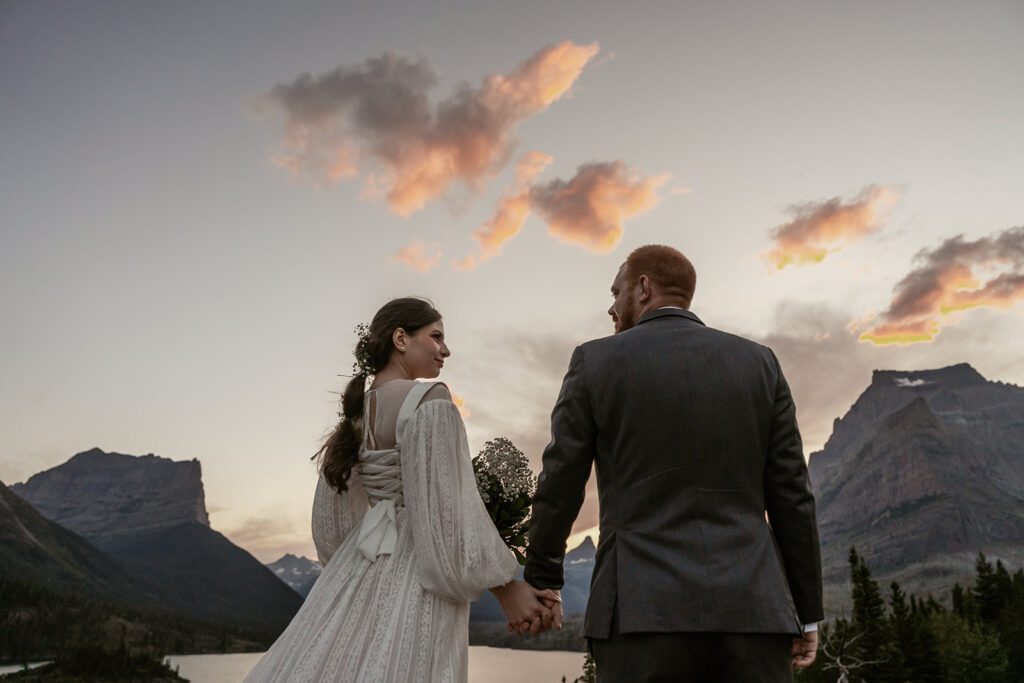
(921, 473)
(299, 572)
(125, 505)
(118, 494)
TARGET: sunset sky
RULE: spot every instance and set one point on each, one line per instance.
(199, 201)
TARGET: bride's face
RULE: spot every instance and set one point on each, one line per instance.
(425, 351)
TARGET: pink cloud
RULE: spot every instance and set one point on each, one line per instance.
(589, 209)
(378, 113)
(819, 228)
(419, 256)
(513, 208)
(956, 276)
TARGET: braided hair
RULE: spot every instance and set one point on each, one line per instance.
(340, 452)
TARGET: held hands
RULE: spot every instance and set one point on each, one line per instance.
(805, 649)
(529, 609)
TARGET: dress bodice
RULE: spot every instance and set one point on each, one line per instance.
(381, 473)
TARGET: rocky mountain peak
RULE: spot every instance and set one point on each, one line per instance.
(300, 573)
(585, 551)
(915, 416)
(957, 376)
(922, 472)
(104, 495)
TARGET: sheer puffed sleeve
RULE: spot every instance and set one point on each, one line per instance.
(459, 552)
(335, 515)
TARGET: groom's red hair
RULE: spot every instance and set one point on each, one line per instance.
(667, 268)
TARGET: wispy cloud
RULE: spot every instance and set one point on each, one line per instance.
(270, 534)
(418, 255)
(958, 275)
(460, 403)
(588, 210)
(464, 264)
(512, 209)
(514, 383)
(819, 228)
(378, 113)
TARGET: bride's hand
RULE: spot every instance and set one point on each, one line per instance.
(551, 599)
(521, 604)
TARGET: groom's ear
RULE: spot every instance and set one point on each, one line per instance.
(645, 289)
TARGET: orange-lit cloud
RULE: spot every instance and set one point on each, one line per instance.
(460, 403)
(588, 209)
(819, 228)
(465, 264)
(378, 113)
(419, 255)
(512, 209)
(957, 276)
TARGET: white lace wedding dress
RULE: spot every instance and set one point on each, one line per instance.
(405, 549)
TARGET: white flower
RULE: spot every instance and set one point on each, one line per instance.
(507, 464)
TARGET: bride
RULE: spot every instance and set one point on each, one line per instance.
(399, 527)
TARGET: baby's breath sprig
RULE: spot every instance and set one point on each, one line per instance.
(363, 364)
(506, 486)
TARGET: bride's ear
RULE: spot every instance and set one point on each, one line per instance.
(399, 339)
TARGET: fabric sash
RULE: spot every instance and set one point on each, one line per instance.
(378, 532)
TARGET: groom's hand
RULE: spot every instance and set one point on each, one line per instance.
(551, 600)
(805, 649)
(522, 606)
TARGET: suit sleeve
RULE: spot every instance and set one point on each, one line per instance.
(790, 505)
(568, 459)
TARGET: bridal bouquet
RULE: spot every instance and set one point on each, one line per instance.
(506, 486)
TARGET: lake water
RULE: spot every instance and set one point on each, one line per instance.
(12, 669)
(486, 665)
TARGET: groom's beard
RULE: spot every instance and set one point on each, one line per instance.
(627, 316)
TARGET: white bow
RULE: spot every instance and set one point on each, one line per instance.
(378, 532)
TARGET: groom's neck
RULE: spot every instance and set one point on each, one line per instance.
(661, 302)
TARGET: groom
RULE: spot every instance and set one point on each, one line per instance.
(708, 566)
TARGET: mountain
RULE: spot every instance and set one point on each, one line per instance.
(57, 589)
(298, 572)
(924, 470)
(32, 548)
(149, 514)
(578, 568)
(118, 495)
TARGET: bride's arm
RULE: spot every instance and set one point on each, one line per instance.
(459, 552)
(335, 515)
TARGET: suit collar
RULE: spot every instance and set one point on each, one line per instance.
(666, 312)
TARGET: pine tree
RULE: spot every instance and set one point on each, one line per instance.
(915, 651)
(960, 601)
(901, 626)
(969, 653)
(1011, 627)
(589, 670)
(869, 621)
(989, 590)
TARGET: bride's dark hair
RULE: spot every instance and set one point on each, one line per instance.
(341, 450)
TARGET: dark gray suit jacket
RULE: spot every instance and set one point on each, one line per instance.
(694, 436)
